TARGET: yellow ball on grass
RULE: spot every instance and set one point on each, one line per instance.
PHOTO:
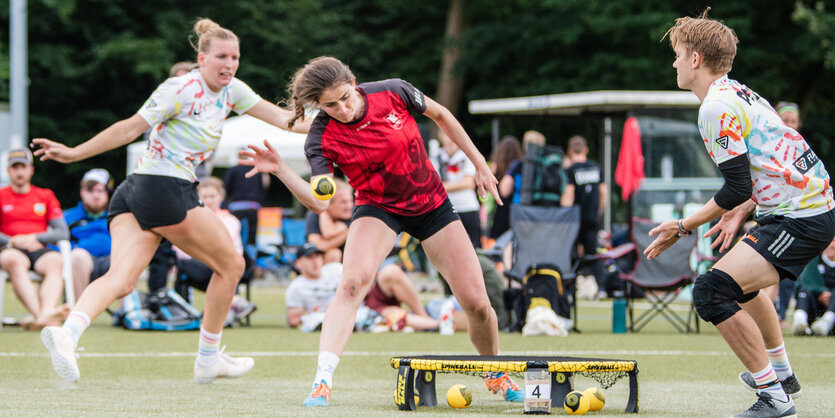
(596, 398)
(323, 187)
(575, 403)
(459, 396)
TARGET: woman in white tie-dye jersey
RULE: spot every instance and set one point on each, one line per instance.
(159, 199)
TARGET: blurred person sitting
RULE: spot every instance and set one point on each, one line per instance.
(87, 222)
(312, 289)
(30, 219)
(192, 273)
(815, 304)
(244, 196)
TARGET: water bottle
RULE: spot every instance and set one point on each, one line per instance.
(447, 311)
(619, 313)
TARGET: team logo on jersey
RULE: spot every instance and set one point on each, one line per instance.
(151, 103)
(806, 161)
(723, 142)
(394, 120)
(40, 209)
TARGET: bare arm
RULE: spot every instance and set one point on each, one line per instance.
(277, 116)
(567, 198)
(484, 178)
(506, 185)
(324, 244)
(267, 160)
(115, 136)
(604, 195)
(294, 317)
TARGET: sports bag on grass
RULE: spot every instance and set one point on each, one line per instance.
(164, 310)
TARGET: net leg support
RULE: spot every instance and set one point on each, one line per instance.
(425, 388)
(632, 402)
(561, 385)
(404, 392)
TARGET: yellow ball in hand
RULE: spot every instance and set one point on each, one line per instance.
(596, 398)
(576, 403)
(459, 396)
(323, 187)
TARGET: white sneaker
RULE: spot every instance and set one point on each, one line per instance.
(225, 366)
(820, 327)
(62, 351)
(800, 327)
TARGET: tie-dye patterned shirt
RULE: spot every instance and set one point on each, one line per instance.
(788, 178)
(186, 119)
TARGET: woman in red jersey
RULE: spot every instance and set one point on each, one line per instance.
(368, 131)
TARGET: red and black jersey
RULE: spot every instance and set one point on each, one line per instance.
(382, 153)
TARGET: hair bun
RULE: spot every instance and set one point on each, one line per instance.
(204, 25)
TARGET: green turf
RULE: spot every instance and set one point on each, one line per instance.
(679, 375)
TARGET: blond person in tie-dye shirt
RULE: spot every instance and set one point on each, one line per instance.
(159, 200)
(766, 166)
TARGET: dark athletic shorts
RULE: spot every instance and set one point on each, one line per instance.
(420, 226)
(791, 243)
(154, 200)
(100, 266)
(35, 255)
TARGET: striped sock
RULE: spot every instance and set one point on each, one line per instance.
(324, 370)
(75, 325)
(780, 361)
(767, 382)
(208, 347)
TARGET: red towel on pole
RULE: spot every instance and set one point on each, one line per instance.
(630, 169)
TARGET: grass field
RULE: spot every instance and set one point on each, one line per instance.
(130, 373)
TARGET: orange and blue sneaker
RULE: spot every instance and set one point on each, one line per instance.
(501, 382)
(319, 395)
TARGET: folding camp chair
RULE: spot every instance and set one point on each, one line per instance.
(661, 279)
(545, 235)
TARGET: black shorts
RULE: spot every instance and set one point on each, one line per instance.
(33, 256)
(791, 243)
(154, 200)
(419, 226)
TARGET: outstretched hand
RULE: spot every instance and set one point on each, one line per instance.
(485, 180)
(727, 227)
(262, 160)
(667, 236)
(51, 150)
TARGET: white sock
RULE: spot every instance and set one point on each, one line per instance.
(75, 325)
(829, 317)
(766, 381)
(208, 347)
(324, 370)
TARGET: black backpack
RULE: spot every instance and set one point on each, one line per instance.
(541, 286)
(543, 178)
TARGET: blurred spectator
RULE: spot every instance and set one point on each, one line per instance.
(508, 150)
(30, 219)
(329, 230)
(88, 229)
(586, 189)
(815, 304)
(790, 113)
(192, 273)
(311, 291)
(244, 196)
(511, 183)
(458, 176)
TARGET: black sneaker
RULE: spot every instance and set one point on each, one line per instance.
(791, 386)
(766, 406)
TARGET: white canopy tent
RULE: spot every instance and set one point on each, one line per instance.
(604, 104)
(238, 132)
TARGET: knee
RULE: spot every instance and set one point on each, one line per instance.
(355, 283)
(233, 269)
(391, 275)
(479, 311)
(11, 259)
(715, 296)
(81, 258)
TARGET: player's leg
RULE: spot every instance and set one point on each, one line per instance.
(759, 306)
(202, 235)
(17, 264)
(451, 252)
(82, 268)
(742, 270)
(369, 241)
(131, 250)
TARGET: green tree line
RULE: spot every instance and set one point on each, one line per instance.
(93, 62)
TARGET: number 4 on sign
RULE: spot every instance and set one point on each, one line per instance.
(537, 391)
